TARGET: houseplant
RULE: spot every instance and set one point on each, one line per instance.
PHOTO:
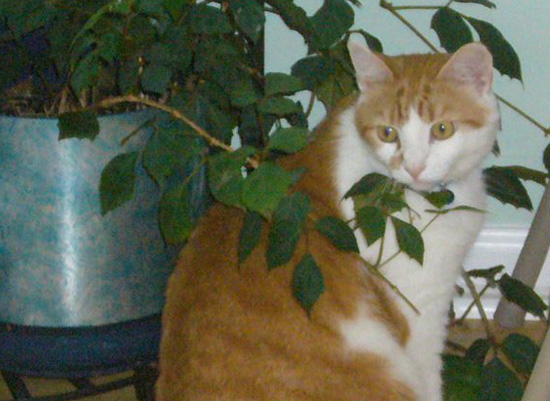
(201, 64)
(81, 293)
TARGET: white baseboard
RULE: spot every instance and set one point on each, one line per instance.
(498, 246)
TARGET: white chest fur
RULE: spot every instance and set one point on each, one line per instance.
(429, 287)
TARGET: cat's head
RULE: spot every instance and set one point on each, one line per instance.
(428, 119)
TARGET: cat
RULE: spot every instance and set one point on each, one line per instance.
(235, 332)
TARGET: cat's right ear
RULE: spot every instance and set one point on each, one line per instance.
(369, 68)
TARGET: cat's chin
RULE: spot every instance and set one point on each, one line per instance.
(424, 186)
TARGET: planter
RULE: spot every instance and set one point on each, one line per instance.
(65, 267)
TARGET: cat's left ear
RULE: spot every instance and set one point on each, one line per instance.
(472, 65)
(369, 68)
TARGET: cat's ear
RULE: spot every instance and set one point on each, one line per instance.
(472, 65)
(369, 68)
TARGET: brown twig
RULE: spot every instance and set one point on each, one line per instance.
(212, 141)
(477, 299)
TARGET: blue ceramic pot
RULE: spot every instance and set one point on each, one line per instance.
(62, 264)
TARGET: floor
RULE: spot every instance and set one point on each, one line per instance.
(462, 335)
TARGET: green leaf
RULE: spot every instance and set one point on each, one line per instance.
(477, 352)
(166, 151)
(86, 73)
(372, 41)
(308, 283)
(249, 16)
(226, 177)
(440, 198)
(461, 379)
(331, 22)
(339, 233)
(487, 274)
(277, 83)
(110, 47)
(546, 158)
(342, 82)
(452, 30)
(175, 220)
(78, 124)
(116, 185)
(366, 185)
(286, 229)
(128, 77)
(522, 295)
(529, 174)
(521, 351)
(313, 70)
(278, 106)
(499, 383)
(175, 7)
(209, 20)
(485, 3)
(296, 19)
(504, 185)
(289, 140)
(150, 7)
(392, 202)
(156, 78)
(409, 239)
(505, 58)
(265, 187)
(372, 221)
(250, 235)
(121, 7)
(244, 93)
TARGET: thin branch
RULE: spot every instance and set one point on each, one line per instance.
(176, 114)
(484, 319)
(170, 110)
(392, 286)
(311, 103)
(389, 6)
(397, 8)
(545, 130)
(472, 304)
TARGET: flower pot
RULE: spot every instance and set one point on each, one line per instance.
(67, 268)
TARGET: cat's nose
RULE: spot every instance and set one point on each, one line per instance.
(415, 169)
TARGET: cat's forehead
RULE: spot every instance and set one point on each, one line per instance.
(416, 68)
(415, 87)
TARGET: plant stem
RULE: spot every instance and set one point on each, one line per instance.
(311, 103)
(380, 252)
(545, 130)
(389, 6)
(392, 286)
(127, 138)
(472, 304)
(397, 8)
(174, 113)
(484, 319)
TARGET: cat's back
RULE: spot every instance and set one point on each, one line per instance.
(235, 332)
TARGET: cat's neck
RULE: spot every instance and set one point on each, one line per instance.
(322, 180)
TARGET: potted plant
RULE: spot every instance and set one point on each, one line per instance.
(78, 280)
(201, 66)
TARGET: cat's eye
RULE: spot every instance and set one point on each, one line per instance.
(387, 133)
(442, 130)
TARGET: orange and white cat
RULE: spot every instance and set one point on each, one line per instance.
(235, 332)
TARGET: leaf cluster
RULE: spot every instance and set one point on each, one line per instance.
(492, 369)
